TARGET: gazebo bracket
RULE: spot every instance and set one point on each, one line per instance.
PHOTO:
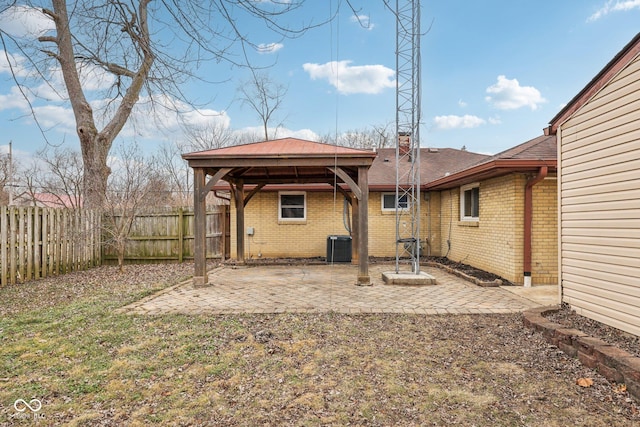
(213, 181)
(349, 181)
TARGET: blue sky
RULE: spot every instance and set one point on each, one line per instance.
(494, 73)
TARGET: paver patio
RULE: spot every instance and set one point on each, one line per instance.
(320, 288)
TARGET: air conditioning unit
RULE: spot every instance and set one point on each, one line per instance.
(338, 249)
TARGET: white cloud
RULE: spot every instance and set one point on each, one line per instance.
(348, 79)
(55, 116)
(93, 77)
(363, 20)
(256, 133)
(462, 104)
(25, 22)
(617, 6)
(13, 63)
(509, 95)
(167, 116)
(264, 48)
(14, 99)
(457, 122)
(495, 120)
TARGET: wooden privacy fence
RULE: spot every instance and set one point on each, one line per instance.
(168, 236)
(39, 242)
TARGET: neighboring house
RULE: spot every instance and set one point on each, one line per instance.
(487, 231)
(49, 200)
(598, 136)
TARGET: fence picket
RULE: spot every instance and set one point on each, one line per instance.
(4, 234)
(13, 268)
(38, 242)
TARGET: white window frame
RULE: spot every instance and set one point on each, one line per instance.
(393, 209)
(463, 190)
(292, 193)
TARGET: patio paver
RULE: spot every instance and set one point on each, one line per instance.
(321, 288)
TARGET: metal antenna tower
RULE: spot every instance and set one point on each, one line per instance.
(408, 133)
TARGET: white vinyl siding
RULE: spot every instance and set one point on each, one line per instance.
(600, 204)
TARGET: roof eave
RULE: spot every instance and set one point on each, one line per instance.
(491, 169)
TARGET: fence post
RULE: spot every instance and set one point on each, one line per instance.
(12, 245)
(29, 243)
(4, 268)
(180, 235)
(22, 270)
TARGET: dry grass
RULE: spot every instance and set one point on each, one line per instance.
(61, 342)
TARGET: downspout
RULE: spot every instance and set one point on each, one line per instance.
(528, 222)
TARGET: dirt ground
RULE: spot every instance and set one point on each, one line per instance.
(97, 368)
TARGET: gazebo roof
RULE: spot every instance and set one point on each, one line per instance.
(287, 160)
(285, 147)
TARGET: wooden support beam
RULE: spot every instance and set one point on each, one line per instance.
(363, 226)
(356, 188)
(253, 193)
(238, 196)
(212, 182)
(355, 231)
(200, 229)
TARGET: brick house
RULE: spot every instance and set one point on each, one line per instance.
(500, 214)
(324, 213)
(598, 134)
(488, 232)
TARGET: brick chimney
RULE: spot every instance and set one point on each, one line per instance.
(404, 142)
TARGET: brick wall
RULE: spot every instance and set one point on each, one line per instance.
(495, 243)
(544, 245)
(274, 239)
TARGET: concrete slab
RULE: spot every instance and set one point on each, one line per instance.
(545, 295)
(408, 278)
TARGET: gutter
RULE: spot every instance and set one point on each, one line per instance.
(528, 222)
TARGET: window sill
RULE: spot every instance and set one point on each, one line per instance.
(292, 221)
(469, 223)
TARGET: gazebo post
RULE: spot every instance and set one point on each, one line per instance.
(363, 226)
(239, 201)
(200, 217)
(355, 233)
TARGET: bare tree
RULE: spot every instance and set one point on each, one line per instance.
(136, 49)
(264, 96)
(378, 136)
(207, 136)
(5, 178)
(133, 186)
(175, 172)
(59, 173)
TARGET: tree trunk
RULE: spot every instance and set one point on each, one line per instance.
(96, 144)
(95, 150)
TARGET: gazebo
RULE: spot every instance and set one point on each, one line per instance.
(281, 161)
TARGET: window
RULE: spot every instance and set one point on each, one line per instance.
(388, 202)
(292, 206)
(470, 202)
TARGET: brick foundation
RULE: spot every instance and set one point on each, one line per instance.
(614, 364)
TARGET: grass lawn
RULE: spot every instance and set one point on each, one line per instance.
(62, 343)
